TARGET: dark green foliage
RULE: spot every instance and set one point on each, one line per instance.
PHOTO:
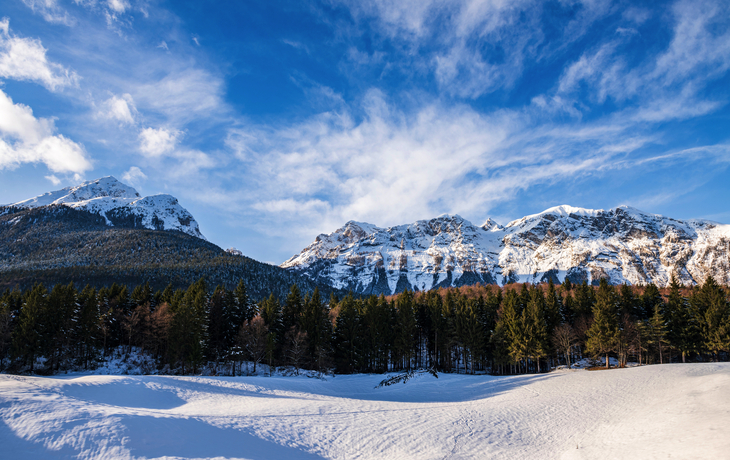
(187, 329)
(711, 307)
(603, 333)
(468, 329)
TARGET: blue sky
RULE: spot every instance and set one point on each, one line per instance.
(275, 121)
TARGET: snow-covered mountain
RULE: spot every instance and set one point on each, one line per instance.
(117, 202)
(621, 244)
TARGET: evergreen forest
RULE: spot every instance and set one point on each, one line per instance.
(520, 328)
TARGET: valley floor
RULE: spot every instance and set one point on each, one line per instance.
(667, 411)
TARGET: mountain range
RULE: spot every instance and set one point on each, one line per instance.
(622, 244)
(103, 231)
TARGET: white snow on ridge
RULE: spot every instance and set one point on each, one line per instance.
(661, 411)
(105, 195)
(622, 244)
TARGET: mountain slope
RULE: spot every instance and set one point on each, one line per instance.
(99, 233)
(621, 244)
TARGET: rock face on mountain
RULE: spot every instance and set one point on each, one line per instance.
(621, 244)
(120, 205)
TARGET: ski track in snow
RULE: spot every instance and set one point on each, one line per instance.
(666, 411)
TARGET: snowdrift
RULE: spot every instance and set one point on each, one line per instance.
(681, 411)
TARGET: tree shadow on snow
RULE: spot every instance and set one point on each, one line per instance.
(153, 437)
(126, 393)
(449, 388)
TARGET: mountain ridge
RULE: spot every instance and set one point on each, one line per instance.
(622, 244)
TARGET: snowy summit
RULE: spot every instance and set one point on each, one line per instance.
(108, 197)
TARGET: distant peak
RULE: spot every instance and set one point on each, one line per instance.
(490, 224)
(563, 210)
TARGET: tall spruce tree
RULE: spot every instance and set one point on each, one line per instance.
(603, 333)
(27, 335)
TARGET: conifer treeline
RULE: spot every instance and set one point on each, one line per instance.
(516, 329)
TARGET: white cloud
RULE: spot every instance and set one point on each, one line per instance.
(51, 11)
(392, 167)
(26, 139)
(134, 176)
(25, 59)
(54, 180)
(183, 95)
(119, 108)
(156, 142)
(118, 6)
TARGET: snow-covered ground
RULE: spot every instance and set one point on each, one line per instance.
(667, 411)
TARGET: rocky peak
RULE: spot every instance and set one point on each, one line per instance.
(622, 244)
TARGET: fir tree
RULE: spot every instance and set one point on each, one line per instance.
(603, 333)
(27, 335)
(683, 330)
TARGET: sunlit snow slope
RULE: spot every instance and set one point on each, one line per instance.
(662, 411)
(114, 200)
(621, 244)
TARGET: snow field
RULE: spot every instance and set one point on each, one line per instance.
(668, 411)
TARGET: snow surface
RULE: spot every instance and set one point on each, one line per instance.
(662, 411)
(107, 194)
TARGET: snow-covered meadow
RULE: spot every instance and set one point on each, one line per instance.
(661, 411)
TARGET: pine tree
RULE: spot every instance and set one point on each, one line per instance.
(716, 318)
(649, 300)
(628, 303)
(188, 326)
(603, 333)
(405, 329)
(347, 336)
(683, 330)
(27, 335)
(512, 328)
(292, 309)
(535, 327)
(87, 325)
(220, 326)
(657, 330)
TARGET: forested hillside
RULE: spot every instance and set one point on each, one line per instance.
(520, 328)
(59, 244)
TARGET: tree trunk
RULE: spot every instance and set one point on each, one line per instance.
(608, 365)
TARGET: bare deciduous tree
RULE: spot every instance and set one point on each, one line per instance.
(253, 339)
(564, 338)
(296, 347)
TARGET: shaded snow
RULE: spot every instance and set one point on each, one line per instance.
(678, 411)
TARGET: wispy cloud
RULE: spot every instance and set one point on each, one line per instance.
(25, 59)
(51, 12)
(134, 176)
